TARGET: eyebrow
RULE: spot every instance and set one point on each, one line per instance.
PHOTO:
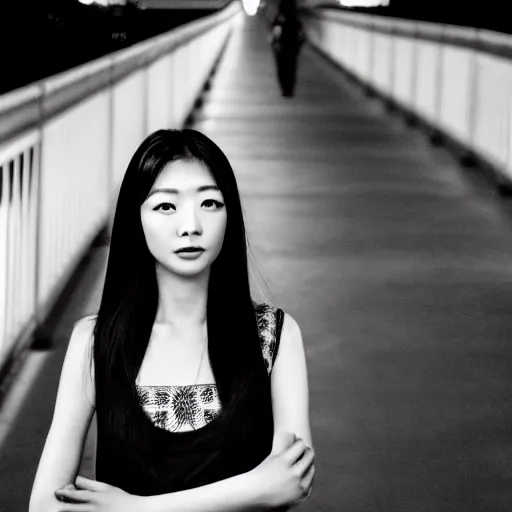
(176, 191)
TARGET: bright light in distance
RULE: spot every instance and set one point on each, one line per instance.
(102, 2)
(364, 3)
(251, 6)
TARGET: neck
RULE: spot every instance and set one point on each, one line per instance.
(182, 301)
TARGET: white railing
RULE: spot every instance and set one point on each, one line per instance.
(457, 79)
(65, 143)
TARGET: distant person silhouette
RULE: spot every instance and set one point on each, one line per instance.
(287, 38)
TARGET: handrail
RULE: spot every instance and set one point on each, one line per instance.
(483, 40)
(28, 106)
(456, 81)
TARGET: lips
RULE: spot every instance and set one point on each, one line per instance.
(190, 249)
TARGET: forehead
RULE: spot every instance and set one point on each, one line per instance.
(184, 174)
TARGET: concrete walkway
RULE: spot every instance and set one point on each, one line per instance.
(396, 264)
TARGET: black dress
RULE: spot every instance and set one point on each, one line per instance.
(175, 461)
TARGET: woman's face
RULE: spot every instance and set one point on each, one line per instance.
(184, 208)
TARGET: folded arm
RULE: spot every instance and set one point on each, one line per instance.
(290, 405)
(235, 494)
(285, 477)
(74, 409)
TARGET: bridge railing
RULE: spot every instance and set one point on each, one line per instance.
(456, 79)
(65, 142)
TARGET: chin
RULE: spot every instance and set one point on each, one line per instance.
(188, 269)
(191, 272)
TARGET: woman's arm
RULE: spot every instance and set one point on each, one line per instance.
(236, 494)
(290, 393)
(289, 379)
(74, 408)
(280, 481)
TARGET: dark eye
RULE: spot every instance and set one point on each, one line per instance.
(212, 202)
(165, 207)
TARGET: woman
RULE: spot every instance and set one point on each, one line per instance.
(201, 394)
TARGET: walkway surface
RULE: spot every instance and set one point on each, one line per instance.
(397, 265)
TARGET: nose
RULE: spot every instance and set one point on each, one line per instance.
(189, 222)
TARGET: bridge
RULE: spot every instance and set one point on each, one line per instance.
(377, 215)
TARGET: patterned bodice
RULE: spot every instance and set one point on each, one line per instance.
(183, 408)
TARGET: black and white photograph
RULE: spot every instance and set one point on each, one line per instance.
(255, 255)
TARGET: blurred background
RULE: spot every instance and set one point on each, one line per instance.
(44, 37)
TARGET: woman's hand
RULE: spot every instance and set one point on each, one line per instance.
(285, 477)
(92, 496)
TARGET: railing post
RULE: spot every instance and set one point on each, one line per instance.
(41, 339)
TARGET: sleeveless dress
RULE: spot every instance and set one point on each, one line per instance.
(175, 459)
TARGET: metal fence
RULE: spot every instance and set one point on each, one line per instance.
(456, 79)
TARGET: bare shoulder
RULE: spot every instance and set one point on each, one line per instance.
(79, 352)
(85, 325)
(291, 335)
(291, 328)
(291, 355)
(83, 332)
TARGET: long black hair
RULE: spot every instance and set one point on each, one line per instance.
(130, 295)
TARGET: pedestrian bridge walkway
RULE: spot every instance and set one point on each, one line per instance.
(395, 261)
